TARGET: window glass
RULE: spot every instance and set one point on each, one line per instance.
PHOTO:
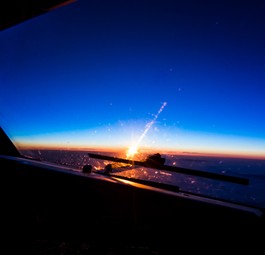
(129, 79)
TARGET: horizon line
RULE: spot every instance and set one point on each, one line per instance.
(247, 155)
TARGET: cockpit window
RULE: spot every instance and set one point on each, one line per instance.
(130, 79)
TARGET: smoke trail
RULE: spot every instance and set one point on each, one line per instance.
(150, 124)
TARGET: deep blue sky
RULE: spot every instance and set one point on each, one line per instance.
(95, 73)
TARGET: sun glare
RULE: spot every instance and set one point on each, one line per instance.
(131, 151)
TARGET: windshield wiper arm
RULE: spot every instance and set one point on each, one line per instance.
(154, 165)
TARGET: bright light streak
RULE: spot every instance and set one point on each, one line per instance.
(134, 148)
(150, 124)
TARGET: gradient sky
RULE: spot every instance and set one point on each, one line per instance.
(96, 73)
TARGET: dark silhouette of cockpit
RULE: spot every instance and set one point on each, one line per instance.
(155, 160)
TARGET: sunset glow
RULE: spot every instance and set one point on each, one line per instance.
(157, 81)
(131, 152)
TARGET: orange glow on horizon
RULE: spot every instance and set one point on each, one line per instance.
(132, 151)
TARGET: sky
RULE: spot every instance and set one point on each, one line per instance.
(170, 75)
